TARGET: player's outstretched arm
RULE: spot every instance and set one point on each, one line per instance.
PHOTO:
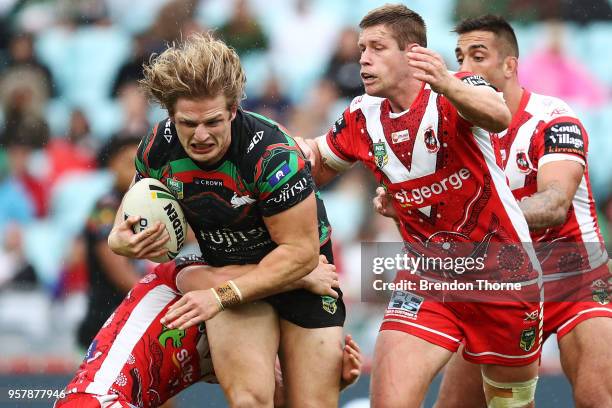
(480, 105)
(320, 281)
(321, 172)
(297, 238)
(557, 185)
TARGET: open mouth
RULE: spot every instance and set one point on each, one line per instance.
(202, 148)
(365, 77)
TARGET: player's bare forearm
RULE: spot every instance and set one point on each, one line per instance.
(284, 266)
(296, 232)
(546, 208)
(206, 277)
(321, 172)
(557, 185)
(479, 105)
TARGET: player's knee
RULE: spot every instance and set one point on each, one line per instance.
(509, 394)
(239, 397)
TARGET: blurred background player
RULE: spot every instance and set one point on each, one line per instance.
(111, 276)
(418, 128)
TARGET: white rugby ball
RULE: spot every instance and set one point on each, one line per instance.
(152, 201)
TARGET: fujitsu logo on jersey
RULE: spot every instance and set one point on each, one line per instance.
(229, 238)
(418, 195)
(288, 192)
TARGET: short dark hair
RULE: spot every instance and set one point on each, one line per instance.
(494, 24)
(114, 146)
(406, 25)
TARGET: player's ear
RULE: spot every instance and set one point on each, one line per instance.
(510, 66)
(409, 46)
(233, 109)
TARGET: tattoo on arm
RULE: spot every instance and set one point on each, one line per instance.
(547, 208)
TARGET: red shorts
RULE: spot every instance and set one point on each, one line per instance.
(83, 400)
(594, 299)
(503, 333)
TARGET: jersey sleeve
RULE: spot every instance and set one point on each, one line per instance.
(337, 147)
(168, 272)
(563, 138)
(282, 178)
(475, 80)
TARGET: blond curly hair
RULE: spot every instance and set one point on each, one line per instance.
(201, 66)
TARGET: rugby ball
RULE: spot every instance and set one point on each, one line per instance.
(152, 201)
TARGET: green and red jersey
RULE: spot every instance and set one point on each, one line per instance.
(263, 173)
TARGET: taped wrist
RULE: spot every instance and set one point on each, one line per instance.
(229, 294)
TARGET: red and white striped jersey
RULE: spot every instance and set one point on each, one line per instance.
(441, 170)
(543, 130)
(136, 357)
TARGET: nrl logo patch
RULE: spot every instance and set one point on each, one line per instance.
(380, 154)
(329, 304)
(528, 337)
(176, 187)
(601, 296)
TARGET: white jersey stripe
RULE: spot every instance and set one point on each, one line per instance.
(491, 353)
(598, 309)
(499, 180)
(439, 333)
(331, 158)
(468, 209)
(507, 199)
(132, 331)
(586, 222)
(549, 158)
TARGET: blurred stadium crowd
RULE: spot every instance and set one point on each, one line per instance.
(68, 72)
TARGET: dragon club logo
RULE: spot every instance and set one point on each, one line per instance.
(432, 144)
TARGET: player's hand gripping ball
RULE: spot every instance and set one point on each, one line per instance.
(152, 201)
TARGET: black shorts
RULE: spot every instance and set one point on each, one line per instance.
(308, 310)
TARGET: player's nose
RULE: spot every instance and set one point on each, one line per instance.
(201, 133)
(364, 58)
(465, 66)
